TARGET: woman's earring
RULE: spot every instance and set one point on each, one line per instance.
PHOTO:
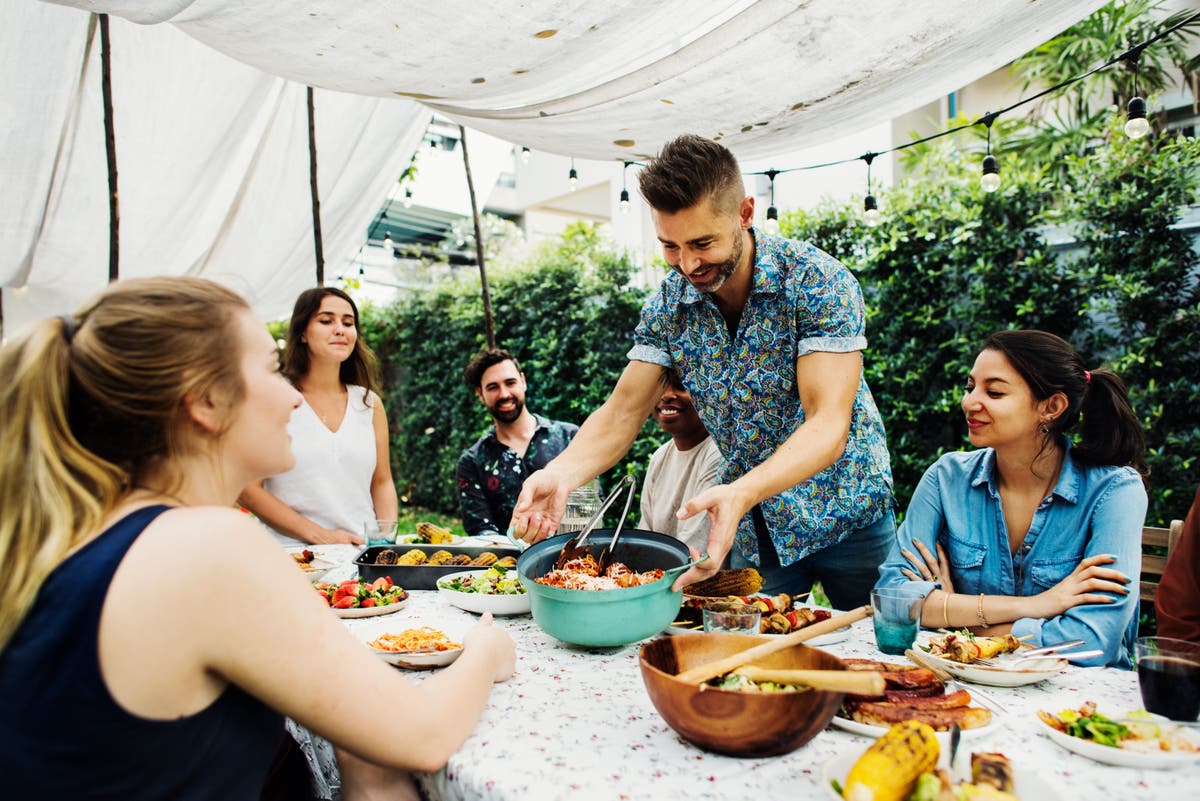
(1045, 428)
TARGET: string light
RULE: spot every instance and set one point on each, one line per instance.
(1136, 124)
(573, 176)
(408, 201)
(871, 214)
(625, 188)
(525, 153)
(771, 226)
(990, 180)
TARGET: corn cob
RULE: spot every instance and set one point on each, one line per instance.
(436, 535)
(414, 557)
(485, 559)
(889, 769)
(386, 558)
(507, 561)
(460, 559)
(439, 558)
(743, 581)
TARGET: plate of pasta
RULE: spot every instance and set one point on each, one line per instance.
(416, 649)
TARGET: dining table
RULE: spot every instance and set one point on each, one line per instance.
(575, 722)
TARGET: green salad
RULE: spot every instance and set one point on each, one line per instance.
(493, 581)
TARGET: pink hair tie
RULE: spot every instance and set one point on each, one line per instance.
(1087, 376)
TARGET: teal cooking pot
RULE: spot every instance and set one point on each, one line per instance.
(607, 617)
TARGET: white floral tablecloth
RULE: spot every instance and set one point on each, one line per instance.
(577, 723)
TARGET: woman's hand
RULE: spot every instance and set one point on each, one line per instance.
(504, 653)
(1082, 587)
(927, 567)
(336, 536)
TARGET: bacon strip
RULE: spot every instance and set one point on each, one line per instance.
(941, 719)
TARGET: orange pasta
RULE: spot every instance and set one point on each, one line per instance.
(422, 639)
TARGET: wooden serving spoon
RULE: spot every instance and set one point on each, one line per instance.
(702, 673)
(858, 682)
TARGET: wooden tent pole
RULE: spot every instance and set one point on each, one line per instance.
(489, 327)
(312, 185)
(110, 152)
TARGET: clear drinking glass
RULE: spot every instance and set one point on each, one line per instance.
(379, 532)
(897, 618)
(581, 505)
(730, 617)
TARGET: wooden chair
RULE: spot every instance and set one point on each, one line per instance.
(1153, 564)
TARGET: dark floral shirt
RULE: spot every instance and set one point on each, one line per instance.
(490, 474)
(803, 300)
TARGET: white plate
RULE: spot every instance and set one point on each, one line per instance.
(418, 660)
(479, 602)
(1030, 672)
(866, 730)
(1028, 785)
(415, 539)
(370, 611)
(1121, 756)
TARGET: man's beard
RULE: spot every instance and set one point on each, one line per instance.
(722, 271)
(507, 416)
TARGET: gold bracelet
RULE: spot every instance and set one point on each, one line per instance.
(945, 604)
(982, 620)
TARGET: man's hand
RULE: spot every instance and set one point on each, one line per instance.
(540, 506)
(725, 507)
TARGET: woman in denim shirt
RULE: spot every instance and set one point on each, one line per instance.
(1031, 533)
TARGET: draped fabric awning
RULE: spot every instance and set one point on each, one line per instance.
(210, 114)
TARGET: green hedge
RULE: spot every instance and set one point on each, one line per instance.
(568, 316)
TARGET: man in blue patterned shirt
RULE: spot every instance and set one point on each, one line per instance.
(490, 472)
(767, 335)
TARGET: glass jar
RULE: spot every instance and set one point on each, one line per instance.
(581, 505)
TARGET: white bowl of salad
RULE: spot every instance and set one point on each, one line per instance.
(497, 590)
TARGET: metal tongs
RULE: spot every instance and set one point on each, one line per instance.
(576, 548)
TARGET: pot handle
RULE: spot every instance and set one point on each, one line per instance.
(673, 573)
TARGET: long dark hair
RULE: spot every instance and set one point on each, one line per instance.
(361, 368)
(1098, 410)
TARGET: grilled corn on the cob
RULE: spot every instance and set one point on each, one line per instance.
(436, 535)
(888, 769)
(414, 557)
(485, 559)
(742, 581)
(439, 558)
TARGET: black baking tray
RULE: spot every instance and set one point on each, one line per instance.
(423, 577)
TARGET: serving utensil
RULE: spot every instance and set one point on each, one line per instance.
(702, 673)
(929, 664)
(606, 556)
(858, 682)
(1008, 664)
(576, 547)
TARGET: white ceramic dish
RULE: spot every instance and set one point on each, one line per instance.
(418, 660)
(1122, 757)
(866, 730)
(370, 611)
(1030, 671)
(480, 602)
(1029, 786)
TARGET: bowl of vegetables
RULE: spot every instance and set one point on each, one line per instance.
(727, 716)
(497, 590)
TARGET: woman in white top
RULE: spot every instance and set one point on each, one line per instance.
(343, 477)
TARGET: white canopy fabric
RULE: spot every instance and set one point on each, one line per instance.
(212, 146)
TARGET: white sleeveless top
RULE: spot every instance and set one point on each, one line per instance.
(331, 482)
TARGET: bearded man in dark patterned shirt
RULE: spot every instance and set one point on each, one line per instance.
(491, 471)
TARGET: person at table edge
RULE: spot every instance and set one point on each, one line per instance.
(1177, 601)
(1033, 533)
(766, 335)
(490, 472)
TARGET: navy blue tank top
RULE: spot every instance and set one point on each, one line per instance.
(62, 735)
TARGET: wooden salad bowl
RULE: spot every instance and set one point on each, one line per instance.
(740, 724)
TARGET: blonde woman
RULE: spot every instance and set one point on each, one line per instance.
(151, 637)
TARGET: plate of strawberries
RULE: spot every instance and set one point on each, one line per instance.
(358, 598)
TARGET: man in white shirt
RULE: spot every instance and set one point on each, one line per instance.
(681, 468)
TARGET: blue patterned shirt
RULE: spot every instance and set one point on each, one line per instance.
(803, 300)
(490, 474)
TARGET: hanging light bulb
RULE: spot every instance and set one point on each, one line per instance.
(871, 215)
(625, 187)
(525, 155)
(388, 244)
(408, 198)
(990, 181)
(573, 176)
(1137, 126)
(771, 226)
(624, 201)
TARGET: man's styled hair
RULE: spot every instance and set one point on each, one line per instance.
(688, 170)
(473, 372)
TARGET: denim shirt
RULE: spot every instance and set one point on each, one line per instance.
(802, 300)
(1092, 510)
